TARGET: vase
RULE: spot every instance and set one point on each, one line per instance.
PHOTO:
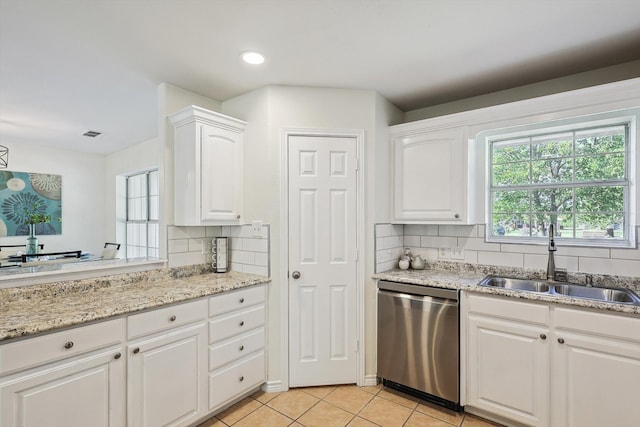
(32, 241)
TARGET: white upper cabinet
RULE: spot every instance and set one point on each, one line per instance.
(429, 174)
(208, 153)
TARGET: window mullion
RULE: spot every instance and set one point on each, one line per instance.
(600, 156)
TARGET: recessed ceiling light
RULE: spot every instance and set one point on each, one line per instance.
(252, 57)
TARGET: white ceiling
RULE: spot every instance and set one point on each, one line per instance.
(67, 66)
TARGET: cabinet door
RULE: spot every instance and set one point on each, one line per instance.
(508, 369)
(85, 391)
(221, 175)
(168, 378)
(430, 173)
(595, 377)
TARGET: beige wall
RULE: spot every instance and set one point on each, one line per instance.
(270, 110)
(600, 76)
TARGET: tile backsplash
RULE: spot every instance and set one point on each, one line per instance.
(249, 251)
(389, 246)
(466, 244)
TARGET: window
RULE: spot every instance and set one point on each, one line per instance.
(576, 178)
(142, 215)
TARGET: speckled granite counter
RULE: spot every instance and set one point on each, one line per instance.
(468, 281)
(43, 308)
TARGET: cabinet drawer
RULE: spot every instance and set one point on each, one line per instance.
(239, 378)
(605, 324)
(224, 327)
(39, 350)
(223, 353)
(235, 300)
(165, 318)
(508, 308)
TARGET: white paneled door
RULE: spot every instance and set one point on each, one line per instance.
(322, 260)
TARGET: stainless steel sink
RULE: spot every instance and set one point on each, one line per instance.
(516, 284)
(619, 295)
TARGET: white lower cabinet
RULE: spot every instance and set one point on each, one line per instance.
(595, 369)
(165, 367)
(68, 383)
(237, 362)
(167, 378)
(507, 358)
(542, 364)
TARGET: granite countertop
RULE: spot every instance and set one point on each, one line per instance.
(44, 308)
(468, 281)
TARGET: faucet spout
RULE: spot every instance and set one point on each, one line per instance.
(551, 265)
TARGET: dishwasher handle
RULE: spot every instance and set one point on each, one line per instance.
(428, 291)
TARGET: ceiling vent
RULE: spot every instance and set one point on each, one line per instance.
(92, 133)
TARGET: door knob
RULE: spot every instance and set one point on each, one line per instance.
(295, 274)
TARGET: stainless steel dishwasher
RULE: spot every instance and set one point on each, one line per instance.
(418, 341)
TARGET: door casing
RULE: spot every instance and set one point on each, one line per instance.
(358, 134)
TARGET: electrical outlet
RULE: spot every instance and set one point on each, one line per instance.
(457, 253)
(256, 228)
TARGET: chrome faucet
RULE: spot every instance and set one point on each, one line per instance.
(551, 265)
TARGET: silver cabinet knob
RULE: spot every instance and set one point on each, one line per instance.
(241, 348)
(241, 378)
(242, 323)
(241, 300)
(543, 337)
(456, 216)
(172, 318)
(68, 345)
(136, 350)
(561, 340)
(295, 274)
(117, 356)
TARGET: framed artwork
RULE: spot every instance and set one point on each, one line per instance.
(23, 194)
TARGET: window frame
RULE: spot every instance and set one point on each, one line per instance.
(627, 118)
(148, 221)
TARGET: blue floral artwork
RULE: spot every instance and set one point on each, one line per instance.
(23, 194)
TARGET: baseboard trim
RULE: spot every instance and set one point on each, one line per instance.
(277, 386)
(273, 387)
(370, 381)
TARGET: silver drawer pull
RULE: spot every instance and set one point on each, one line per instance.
(136, 350)
(172, 318)
(68, 345)
(117, 356)
(241, 348)
(241, 300)
(241, 379)
(242, 323)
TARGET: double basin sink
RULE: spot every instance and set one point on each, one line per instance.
(617, 295)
